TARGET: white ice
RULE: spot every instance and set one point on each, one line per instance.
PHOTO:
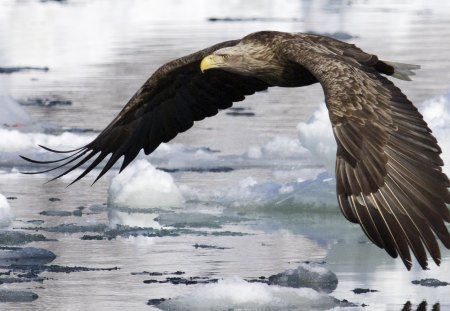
(279, 146)
(316, 135)
(312, 275)
(15, 141)
(26, 256)
(141, 185)
(11, 113)
(436, 112)
(238, 294)
(6, 213)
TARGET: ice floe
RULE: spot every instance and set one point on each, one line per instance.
(279, 146)
(8, 295)
(436, 112)
(316, 135)
(12, 114)
(312, 276)
(238, 294)
(25, 256)
(249, 193)
(141, 185)
(12, 237)
(6, 213)
(15, 141)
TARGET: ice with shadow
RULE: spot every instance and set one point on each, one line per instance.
(313, 276)
(10, 295)
(238, 294)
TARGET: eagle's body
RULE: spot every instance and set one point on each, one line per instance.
(388, 169)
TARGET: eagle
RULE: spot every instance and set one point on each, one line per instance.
(389, 176)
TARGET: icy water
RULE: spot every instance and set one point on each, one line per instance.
(241, 196)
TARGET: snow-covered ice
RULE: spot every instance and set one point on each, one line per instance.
(316, 135)
(25, 256)
(279, 146)
(11, 113)
(141, 185)
(312, 276)
(238, 294)
(6, 213)
(132, 219)
(7, 295)
(436, 112)
(15, 141)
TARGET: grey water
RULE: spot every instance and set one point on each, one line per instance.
(99, 52)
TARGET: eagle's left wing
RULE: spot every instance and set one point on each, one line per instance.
(388, 169)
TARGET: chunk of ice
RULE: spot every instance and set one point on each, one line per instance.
(25, 256)
(11, 113)
(7, 295)
(317, 136)
(143, 186)
(237, 294)
(436, 112)
(307, 275)
(15, 141)
(6, 214)
(131, 219)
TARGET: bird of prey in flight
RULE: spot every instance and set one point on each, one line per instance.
(389, 175)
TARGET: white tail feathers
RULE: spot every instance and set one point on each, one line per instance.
(403, 71)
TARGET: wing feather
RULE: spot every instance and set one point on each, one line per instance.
(175, 96)
(388, 166)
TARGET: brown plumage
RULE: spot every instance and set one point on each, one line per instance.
(388, 169)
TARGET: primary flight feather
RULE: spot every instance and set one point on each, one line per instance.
(389, 175)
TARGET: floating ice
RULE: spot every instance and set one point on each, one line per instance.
(25, 256)
(237, 294)
(143, 186)
(12, 114)
(307, 275)
(436, 112)
(7, 295)
(16, 141)
(279, 146)
(430, 282)
(312, 193)
(10, 237)
(132, 219)
(6, 214)
(317, 136)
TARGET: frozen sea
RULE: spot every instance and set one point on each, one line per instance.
(203, 222)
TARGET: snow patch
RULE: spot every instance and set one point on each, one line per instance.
(249, 193)
(11, 113)
(141, 185)
(436, 112)
(307, 275)
(279, 146)
(316, 135)
(16, 141)
(131, 219)
(238, 294)
(6, 214)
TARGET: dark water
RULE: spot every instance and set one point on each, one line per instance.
(99, 52)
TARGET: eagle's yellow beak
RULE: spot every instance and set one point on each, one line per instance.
(211, 61)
